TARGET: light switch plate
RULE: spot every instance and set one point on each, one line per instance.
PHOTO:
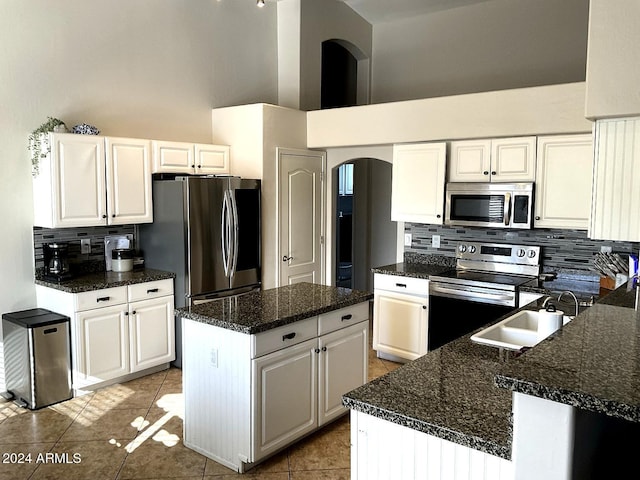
(435, 241)
(407, 239)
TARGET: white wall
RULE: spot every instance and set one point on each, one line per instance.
(613, 65)
(143, 68)
(491, 45)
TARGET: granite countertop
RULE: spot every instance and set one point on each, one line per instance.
(592, 363)
(263, 310)
(461, 392)
(100, 280)
(448, 393)
(416, 269)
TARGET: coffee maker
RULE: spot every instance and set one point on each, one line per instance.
(56, 263)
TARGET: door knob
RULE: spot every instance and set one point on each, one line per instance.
(286, 259)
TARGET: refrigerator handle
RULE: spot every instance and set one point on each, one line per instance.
(234, 233)
(224, 233)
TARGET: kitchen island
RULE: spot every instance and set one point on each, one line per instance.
(452, 411)
(264, 369)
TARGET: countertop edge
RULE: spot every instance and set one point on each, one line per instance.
(184, 312)
(443, 433)
(109, 280)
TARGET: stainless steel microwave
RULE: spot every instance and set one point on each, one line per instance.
(497, 205)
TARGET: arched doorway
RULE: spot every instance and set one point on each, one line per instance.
(344, 75)
(364, 235)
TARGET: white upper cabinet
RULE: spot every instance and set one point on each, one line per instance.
(129, 198)
(88, 180)
(564, 176)
(493, 160)
(189, 158)
(211, 159)
(173, 157)
(417, 185)
(616, 183)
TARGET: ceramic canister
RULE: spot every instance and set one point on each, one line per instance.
(549, 320)
(122, 260)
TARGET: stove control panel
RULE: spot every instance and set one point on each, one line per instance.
(498, 252)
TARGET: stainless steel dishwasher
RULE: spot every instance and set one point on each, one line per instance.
(36, 357)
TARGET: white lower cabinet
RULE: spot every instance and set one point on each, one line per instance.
(400, 317)
(101, 346)
(248, 396)
(286, 396)
(114, 333)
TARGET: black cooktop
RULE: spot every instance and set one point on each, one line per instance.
(475, 277)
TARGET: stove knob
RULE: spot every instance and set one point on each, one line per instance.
(531, 253)
(462, 248)
(520, 252)
(472, 249)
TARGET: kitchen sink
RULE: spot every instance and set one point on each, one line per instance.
(514, 332)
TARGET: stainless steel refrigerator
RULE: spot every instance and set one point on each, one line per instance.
(207, 231)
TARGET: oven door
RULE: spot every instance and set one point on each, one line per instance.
(457, 310)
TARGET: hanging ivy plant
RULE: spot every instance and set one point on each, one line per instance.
(37, 148)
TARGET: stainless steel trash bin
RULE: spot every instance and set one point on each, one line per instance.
(37, 358)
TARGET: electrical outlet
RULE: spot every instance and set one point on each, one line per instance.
(435, 241)
(605, 248)
(407, 239)
(214, 357)
(85, 245)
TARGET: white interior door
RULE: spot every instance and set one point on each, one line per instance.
(301, 213)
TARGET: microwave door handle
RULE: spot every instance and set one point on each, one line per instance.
(507, 208)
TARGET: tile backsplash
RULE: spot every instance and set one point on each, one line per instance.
(561, 249)
(73, 236)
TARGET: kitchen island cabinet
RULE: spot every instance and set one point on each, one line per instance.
(122, 324)
(263, 369)
(452, 413)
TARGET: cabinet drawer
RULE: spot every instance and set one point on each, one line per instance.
(284, 336)
(144, 291)
(397, 283)
(100, 298)
(344, 317)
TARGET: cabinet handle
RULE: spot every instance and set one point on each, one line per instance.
(438, 216)
(126, 314)
(104, 216)
(485, 172)
(493, 173)
(403, 285)
(317, 350)
(193, 166)
(288, 336)
(152, 290)
(199, 166)
(537, 218)
(103, 299)
(346, 317)
(113, 215)
(285, 258)
(324, 349)
(133, 313)
(424, 307)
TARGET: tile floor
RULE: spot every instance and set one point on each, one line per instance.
(134, 431)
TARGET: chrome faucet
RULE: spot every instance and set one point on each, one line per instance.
(575, 299)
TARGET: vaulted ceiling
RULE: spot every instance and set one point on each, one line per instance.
(378, 11)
